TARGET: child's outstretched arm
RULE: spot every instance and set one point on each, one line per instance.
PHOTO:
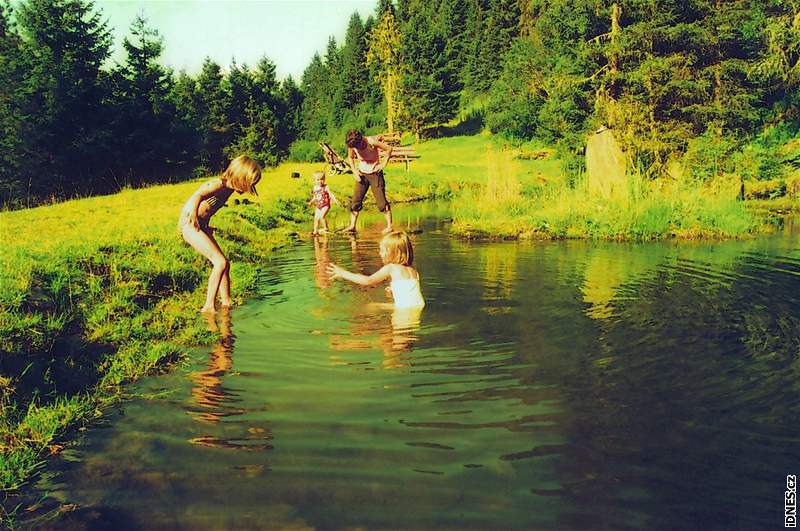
(374, 279)
(205, 191)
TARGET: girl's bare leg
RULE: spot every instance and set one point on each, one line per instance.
(204, 244)
(323, 220)
(388, 215)
(316, 222)
(225, 282)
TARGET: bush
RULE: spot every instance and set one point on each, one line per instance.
(710, 155)
(305, 151)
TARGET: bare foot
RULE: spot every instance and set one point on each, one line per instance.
(387, 230)
(208, 309)
(349, 229)
(226, 305)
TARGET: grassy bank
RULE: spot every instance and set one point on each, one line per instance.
(523, 193)
(100, 291)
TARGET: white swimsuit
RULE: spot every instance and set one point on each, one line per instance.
(406, 293)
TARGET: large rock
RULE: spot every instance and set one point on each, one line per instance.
(606, 165)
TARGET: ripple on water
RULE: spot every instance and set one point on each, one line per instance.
(545, 385)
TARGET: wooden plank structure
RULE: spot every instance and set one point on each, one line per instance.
(403, 154)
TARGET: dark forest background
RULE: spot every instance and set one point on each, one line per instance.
(715, 81)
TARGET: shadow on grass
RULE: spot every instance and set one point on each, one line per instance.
(470, 126)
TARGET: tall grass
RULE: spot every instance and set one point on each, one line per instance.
(505, 206)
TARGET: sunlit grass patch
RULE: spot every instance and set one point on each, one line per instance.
(510, 204)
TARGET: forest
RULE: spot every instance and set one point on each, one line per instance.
(714, 81)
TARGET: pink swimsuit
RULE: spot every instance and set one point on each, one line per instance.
(321, 196)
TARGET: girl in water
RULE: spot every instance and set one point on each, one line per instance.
(241, 176)
(398, 258)
(321, 199)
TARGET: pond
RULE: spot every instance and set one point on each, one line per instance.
(546, 385)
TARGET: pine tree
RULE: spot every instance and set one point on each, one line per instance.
(333, 96)
(315, 99)
(214, 127)
(498, 31)
(186, 125)
(354, 76)
(429, 84)
(145, 113)
(291, 127)
(12, 70)
(67, 129)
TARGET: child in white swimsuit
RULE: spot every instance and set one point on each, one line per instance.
(398, 258)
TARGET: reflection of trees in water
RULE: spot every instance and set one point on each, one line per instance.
(661, 408)
(213, 400)
(500, 268)
(689, 397)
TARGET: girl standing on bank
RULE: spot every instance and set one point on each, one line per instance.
(241, 176)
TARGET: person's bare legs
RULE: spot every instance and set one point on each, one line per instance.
(388, 215)
(323, 222)
(353, 219)
(316, 222)
(205, 244)
(224, 289)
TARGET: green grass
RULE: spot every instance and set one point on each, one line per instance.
(532, 199)
(100, 291)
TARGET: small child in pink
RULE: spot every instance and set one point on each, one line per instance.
(321, 198)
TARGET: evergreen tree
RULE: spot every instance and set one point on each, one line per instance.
(354, 76)
(12, 69)
(186, 125)
(333, 95)
(315, 99)
(240, 88)
(291, 127)
(67, 130)
(778, 70)
(499, 28)
(145, 113)
(429, 85)
(215, 131)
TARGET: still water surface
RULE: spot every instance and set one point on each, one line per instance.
(546, 385)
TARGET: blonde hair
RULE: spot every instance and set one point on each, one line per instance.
(398, 248)
(319, 175)
(242, 174)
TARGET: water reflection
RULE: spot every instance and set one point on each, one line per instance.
(559, 385)
(213, 403)
(321, 261)
(208, 393)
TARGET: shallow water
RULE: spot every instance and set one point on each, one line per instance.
(546, 385)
